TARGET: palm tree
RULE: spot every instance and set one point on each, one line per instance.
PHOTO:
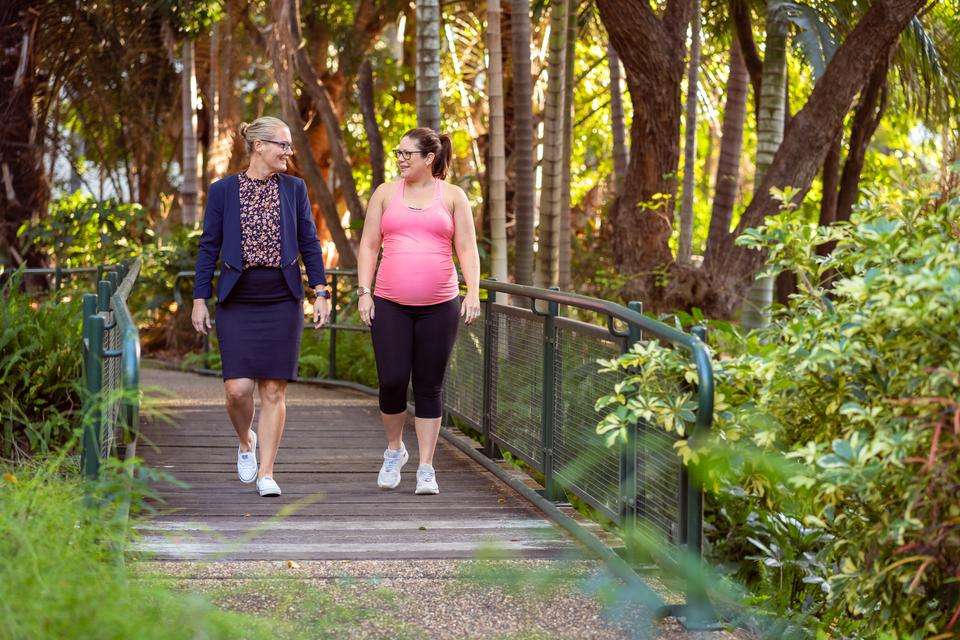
(428, 64)
(190, 189)
(731, 145)
(690, 145)
(550, 193)
(568, 85)
(756, 310)
(497, 199)
(523, 138)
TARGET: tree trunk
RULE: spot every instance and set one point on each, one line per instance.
(281, 50)
(731, 145)
(812, 130)
(743, 33)
(523, 159)
(367, 107)
(568, 86)
(685, 248)
(866, 119)
(190, 189)
(324, 106)
(496, 169)
(620, 154)
(24, 190)
(653, 51)
(551, 189)
(756, 309)
(831, 181)
(428, 64)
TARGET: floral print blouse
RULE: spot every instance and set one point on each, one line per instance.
(260, 221)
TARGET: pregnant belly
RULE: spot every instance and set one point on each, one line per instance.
(417, 278)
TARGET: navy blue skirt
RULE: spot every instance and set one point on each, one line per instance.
(259, 327)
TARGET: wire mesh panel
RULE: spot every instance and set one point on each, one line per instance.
(582, 460)
(463, 384)
(112, 385)
(658, 481)
(518, 403)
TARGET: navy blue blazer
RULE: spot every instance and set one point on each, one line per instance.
(221, 238)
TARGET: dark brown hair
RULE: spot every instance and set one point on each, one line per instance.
(429, 141)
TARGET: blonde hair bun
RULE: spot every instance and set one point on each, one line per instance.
(263, 128)
(243, 128)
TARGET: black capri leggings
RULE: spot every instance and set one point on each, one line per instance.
(415, 339)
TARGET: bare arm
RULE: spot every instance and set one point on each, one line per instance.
(465, 241)
(369, 248)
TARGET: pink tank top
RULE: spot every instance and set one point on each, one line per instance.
(417, 264)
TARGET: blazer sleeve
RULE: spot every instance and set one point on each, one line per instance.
(210, 242)
(310, 249)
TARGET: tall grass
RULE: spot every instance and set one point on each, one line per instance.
(60, 574)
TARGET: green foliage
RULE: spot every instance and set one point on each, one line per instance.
(79, 231)
(39, 371)
(833, 464)
(61, 579)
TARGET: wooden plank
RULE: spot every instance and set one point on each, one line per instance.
(331, 507)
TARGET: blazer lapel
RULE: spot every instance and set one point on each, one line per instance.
(232, 249)
(288, 232)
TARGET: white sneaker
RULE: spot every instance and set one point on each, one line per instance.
(393, 461)
(427, 480)
(247, 461)
(267, 487)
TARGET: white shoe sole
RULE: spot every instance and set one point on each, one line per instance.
(427, 491)
(256, 468)
(268, 493)
(403, 461)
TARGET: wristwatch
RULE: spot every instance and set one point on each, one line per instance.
(322, 293)
(362, 291)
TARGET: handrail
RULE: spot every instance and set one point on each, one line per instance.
(113, 389)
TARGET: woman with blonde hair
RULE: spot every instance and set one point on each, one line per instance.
(413, 311)
(259, 224)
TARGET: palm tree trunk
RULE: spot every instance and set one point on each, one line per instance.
(621, 156)
(550, 192)
(685, 248)
(374, 138)
(428, 64)
(523, 158)
(756, 310)
(568, 82)
(190, 190)
(731, 145)
(497, 199)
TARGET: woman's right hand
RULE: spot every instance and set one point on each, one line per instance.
(365, 305)
(200, 316)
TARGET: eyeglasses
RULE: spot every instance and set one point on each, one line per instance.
(406, 155)
(285, 146)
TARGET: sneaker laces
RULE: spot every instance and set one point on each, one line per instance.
(426, 475)
(391, 460)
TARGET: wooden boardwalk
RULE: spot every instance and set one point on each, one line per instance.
(331, 508)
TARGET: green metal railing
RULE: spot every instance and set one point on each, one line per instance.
(111, 365)
(524, 377)
(57, 275)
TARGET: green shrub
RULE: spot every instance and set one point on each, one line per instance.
(40, 369)
(833, 468)
(61, 578)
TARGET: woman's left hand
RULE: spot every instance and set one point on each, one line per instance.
(321, 312)
(470, 308)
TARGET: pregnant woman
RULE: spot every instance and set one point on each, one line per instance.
(259, 224)
(413, 312)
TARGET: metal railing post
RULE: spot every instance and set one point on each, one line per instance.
(632, 492)
(93, 369)
(104, 291)
(332, 365)
(490, 449)
(551, 490)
